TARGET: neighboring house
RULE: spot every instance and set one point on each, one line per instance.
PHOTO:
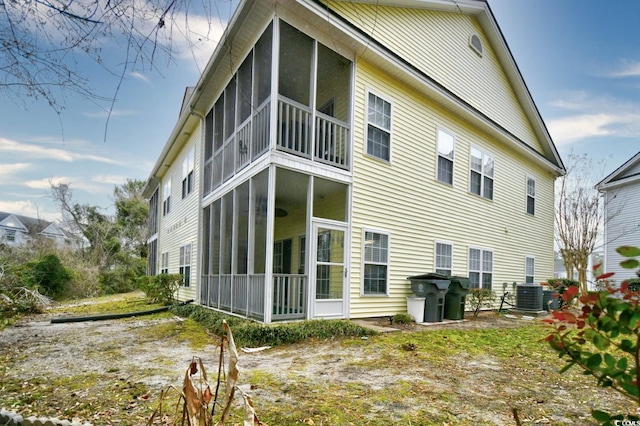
(621, 198)
(331, 149)
(16, 230)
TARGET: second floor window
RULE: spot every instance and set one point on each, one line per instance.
(445, 157)
(166, 197)
(379, 128)
(531, 195)
(187, 174)
(481, 175)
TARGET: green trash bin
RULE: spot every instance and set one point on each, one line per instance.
(433, 288)
(455, 298)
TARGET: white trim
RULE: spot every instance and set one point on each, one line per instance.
(451, 133)
(485, 153)
(481, 270)
(527, 257)
(385, 98)
(363, 261)
(526, 195)
(435, 252)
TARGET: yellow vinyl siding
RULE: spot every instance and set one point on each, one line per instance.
(405, 199)
(437, 43)
(180, 226)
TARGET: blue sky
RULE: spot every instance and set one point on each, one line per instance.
(580, 60)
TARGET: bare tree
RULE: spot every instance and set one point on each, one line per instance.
(45, 45)
(578, 216)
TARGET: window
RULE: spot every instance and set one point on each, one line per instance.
(445, 156)
(323, 272)
(10, 234)
(480, 268)
(185, 264)
(376, 263)
(481, 179)
(187, 174)
(529, 270)
(379, 128)
(531, 195)
(475, 43)
(166, 197)
(444, 258)
(164, 263)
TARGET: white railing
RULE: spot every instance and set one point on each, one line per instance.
(332, 141)
(289, 297)
(243, 142)
(239, 294)
(260, 142)
(294, 127)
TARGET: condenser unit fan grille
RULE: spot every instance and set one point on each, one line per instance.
(529, 297)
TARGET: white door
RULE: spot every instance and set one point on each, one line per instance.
(328, 270)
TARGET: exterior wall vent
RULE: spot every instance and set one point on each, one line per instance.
(476, 43)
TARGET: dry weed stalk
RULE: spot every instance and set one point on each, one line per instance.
(195, 396)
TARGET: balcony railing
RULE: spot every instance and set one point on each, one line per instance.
(331, 141)
(244, 295)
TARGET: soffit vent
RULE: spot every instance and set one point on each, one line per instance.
(476, 43)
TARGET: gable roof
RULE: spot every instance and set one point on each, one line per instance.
(246, 20)
(26, 224)
(627, 173)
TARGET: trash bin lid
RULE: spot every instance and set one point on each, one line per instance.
(464, 282)
(429, 276)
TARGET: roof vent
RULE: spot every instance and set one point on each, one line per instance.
(476, 43)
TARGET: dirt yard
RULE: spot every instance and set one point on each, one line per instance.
(111, 372)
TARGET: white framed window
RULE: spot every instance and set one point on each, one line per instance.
(378, 127)
(444, 258)
(375, 263)
(531, 195)
(482, 167)
(278, 257)
(164, 263)
(10, 234)
(185, 265)
(187, 174)
(481, 268)
(166, 197)
(529, 270)
(446, 142)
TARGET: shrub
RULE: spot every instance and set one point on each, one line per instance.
(402, 319)
(634, 284)
(161, 288)
(47, 274)
(603, 338)
(252, 334)
(479, 298)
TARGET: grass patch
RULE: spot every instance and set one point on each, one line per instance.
(111, 304)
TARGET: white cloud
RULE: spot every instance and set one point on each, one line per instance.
(39, 151)
(140, 76)
(110, 179)
(28, 208)
(83, 184)
(627, 69)
(592, 116)
(10, 170)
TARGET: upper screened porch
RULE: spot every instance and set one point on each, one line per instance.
(291, 94)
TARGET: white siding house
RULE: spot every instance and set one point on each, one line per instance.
(17, 230)
(621, 198)
(349, 145)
